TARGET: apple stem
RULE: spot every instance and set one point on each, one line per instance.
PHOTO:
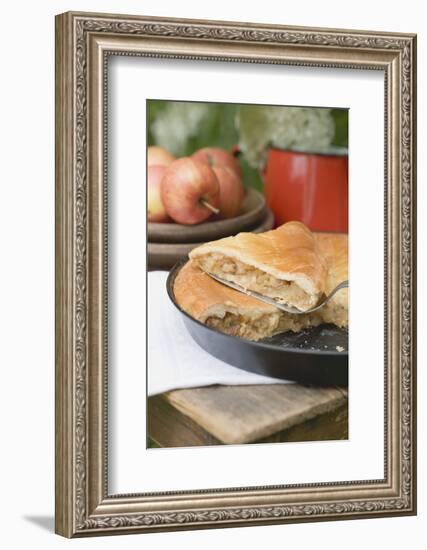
(209, 206)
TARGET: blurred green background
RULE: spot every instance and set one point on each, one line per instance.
(183, 127)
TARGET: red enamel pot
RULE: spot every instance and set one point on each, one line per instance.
(309, 187)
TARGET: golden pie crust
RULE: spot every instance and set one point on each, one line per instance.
(234, 313)
(284, 263)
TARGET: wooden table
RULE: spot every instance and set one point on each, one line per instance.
(219, 415)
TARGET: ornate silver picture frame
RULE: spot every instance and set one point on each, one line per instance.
(84, 42)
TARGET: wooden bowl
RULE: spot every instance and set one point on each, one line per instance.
(165, 255)
(253, 212)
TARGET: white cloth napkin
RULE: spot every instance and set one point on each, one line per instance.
(174, 359)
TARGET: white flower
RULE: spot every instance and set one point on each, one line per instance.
(296, 128)
(176, 123)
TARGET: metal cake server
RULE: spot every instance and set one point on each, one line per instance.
(288, 309)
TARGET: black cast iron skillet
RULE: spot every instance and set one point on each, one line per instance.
(309, 357)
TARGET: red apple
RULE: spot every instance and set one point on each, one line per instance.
(190, 191)
(215, 156)
(157, 156)
(231, 192)
(156, 212)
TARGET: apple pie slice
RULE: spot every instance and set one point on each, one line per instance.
(230, 311)
(240, 315)
(284, 263)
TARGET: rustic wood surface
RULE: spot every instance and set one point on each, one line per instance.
(247, 414)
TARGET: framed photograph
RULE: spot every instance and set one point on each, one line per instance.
(218, 187)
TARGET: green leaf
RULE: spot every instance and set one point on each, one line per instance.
(341, 127)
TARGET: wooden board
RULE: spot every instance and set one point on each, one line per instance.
(247, 414)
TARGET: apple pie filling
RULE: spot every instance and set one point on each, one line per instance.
(266, 325)
(245, 327)
(252, 278)
(296, 323)
(335, 313)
